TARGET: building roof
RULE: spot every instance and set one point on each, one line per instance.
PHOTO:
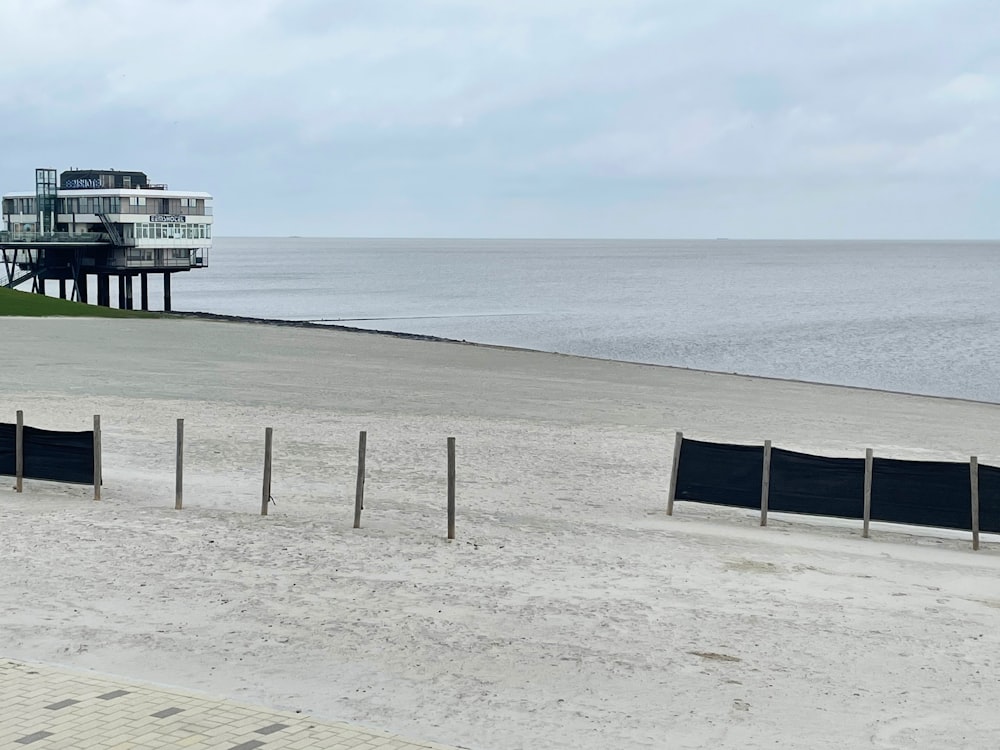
(123, 192)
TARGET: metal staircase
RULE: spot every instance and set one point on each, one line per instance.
(113, 234)
(17, 280)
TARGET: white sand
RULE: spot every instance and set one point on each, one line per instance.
(570, 613)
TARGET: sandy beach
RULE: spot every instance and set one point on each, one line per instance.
(570, 612)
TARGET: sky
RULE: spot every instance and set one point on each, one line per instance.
(523, 118)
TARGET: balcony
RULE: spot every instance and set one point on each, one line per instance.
(47, 238)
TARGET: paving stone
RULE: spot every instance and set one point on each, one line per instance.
(166, 712)
(271, 729)
(57, 708)
(28, 739)
(113, 694)
(62, 704)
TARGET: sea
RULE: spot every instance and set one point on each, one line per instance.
(917, 317)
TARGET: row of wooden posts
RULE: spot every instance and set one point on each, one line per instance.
(359, 495)
(359, 491)
(869, 463)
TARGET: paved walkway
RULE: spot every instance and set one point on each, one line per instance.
(43, 708)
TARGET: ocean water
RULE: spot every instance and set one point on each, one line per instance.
(920, 317)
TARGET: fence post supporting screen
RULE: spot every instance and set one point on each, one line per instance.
(97, 457)
(19, 452)
(974, 483)
(266, 492)
(179, 480)
(359, 491)
(678, 439)
(451, 488)
(765, 484)
(869, 462)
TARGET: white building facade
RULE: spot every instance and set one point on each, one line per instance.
(147, 226)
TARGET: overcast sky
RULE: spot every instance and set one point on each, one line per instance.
(530, 118)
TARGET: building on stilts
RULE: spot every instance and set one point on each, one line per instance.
(99, 224)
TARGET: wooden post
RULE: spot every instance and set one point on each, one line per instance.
(359, 491)
(98, 479)
(179, 480)
(19, 452)
(266, 496)
(765, 484)
(974, 481)
(678, 440)
(451, 488)
(869, 463)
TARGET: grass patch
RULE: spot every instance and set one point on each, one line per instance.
(13, 302)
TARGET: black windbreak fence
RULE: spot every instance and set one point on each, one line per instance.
(921, 493)
(989, 499)
(720, 474)
(817, 485)
(8, 449)
(925, 493)
(48, 454)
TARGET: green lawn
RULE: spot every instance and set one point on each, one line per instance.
(13, 302)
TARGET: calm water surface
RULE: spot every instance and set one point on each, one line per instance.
(911, 316)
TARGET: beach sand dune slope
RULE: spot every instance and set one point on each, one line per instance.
(569, 612)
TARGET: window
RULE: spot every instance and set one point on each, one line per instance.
(127, 181)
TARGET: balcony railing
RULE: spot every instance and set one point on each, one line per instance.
(49, 237)
(127, 208)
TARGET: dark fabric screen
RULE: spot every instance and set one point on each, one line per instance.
(8, 449)
(820, 486)
(720, 474)
(59, 456)
(989, 498)
(922, 493)
(56, 456)
(925, 493)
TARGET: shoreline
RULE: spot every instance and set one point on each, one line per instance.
(191, 315)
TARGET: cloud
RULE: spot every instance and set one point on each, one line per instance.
(451, 116)
(969, 88)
